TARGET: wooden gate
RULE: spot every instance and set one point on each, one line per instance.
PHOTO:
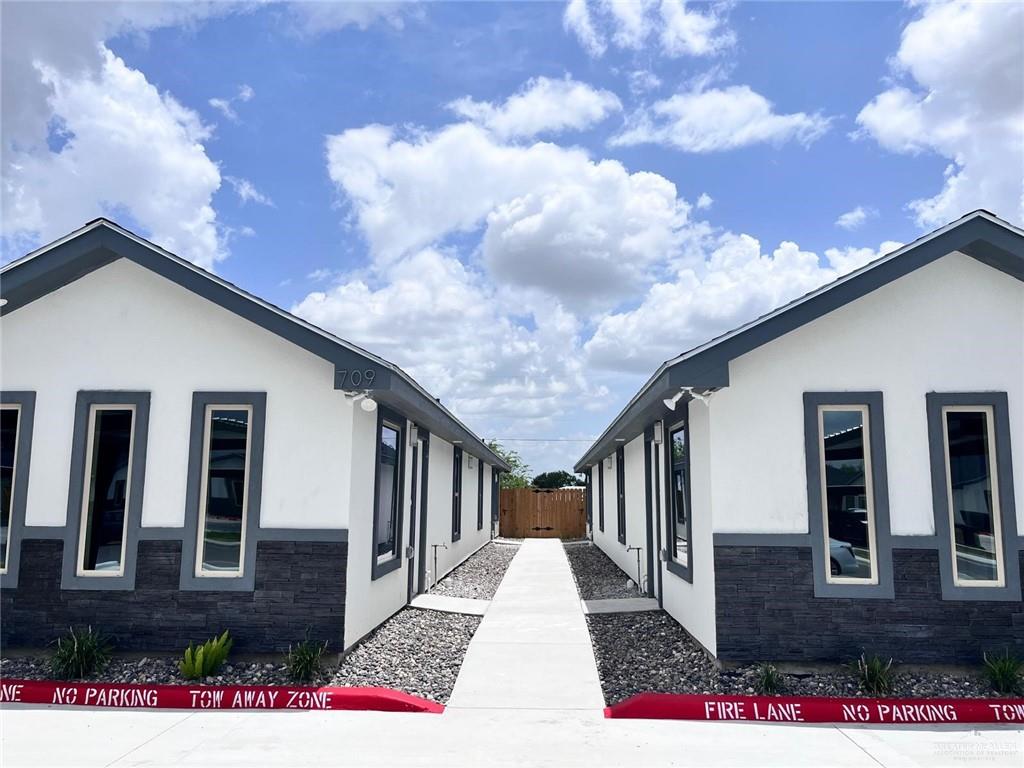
(546, 514)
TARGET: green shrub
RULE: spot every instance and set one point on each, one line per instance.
(207, 658)
(769, 679)
(1004, 672)
(874, 674)
(79, 653)
(304, 659)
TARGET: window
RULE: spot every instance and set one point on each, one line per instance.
(847, 493)
(10, 416)
(679, 497)
(386, 513)
(456, 494)
(480, 496)
(224, 490)
(972, 495)
(600, 496)
(106, 491)
(620, 487)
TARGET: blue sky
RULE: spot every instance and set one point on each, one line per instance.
(620, 182)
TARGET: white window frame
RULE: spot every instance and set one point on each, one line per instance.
(16, 407)
(997, 519)
(204, 477)
(95, 408)
(396, 501)
(869, 489)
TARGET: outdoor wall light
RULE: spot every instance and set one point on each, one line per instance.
(670, 402)
(414, 435)
(659, 432)
(366, 402)
(470, 462)
(704, 397)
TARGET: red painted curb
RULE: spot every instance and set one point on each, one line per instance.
(136, 696)
(812, 709)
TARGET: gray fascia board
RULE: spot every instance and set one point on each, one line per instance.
(980, 235)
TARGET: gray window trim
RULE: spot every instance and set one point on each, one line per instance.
(600, 495)
(649, 447)
(456, 493)
(377, 570)
(620, 494)
(73, 526)
(589, 472)
(22, 460)
(245, 582)
(884, 589)
(998, 401)
(684, 572)
(480, 495)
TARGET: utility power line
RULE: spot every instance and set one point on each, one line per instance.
(544, 439)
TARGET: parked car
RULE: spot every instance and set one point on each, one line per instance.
(842, 561)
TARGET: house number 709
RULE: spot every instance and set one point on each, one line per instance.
(356, 378)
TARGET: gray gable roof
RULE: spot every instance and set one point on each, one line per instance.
(980, 234)
(101, 242)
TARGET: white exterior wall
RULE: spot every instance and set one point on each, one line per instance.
(171, 342)
(636, 510)
(439, 520)
(954, 325)
(693, 604)
(371, 601)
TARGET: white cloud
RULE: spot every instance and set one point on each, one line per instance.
(705, 201)
(445, 324)
(737, 283)
(543, 105)
(960, 94)
(319, 17)
(247, 191)
(129, 150)
(643, 80)
(226, 105)
(669, 25)
(577, 20)
(855, 218)
(553, 218)
(718, 119)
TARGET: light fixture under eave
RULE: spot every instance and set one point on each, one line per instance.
(670, 402)
(368, 404)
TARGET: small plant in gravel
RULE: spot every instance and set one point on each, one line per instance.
(874, 674)
(205, 660)
(79, 653)
(304, 660)
(768, 680)
(1004, 672)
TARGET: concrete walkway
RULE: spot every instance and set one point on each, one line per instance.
(532, 649)
(469, 606)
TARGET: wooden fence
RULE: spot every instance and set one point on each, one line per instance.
(545, 514)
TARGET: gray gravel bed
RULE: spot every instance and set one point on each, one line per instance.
(480, 575)
(597, 577)
(638, 652)
(415, 651)
(153, 670)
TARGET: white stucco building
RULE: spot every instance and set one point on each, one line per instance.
(180, 457)
(840, 474)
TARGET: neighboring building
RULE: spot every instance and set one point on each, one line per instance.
(178, 458)
(837, 475)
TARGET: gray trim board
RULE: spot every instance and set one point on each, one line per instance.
(649, 507)
(620, 494)
(22, 464)
(398, 421)
(684, 572)
(979, 235)
(421, 555)
(657, 515)
(998, 401)
(479, 495)
(189, 580)
(456, 494)
(880, 497)
(76, 485)
(600, 495)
